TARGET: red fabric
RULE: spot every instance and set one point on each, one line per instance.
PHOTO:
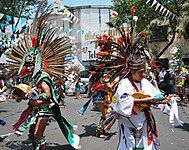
(25, 114)
(98, 86)
(23, 71)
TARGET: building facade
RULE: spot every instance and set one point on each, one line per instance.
(92, 23)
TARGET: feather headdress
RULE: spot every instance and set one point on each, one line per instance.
(116, 55)
(42, 48)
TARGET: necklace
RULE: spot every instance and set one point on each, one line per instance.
(134, 85)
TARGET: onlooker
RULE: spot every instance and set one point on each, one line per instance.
(166, 86)
(162, 74)
(77, 89)
(179, 82)
(3, 88)
(186, 83)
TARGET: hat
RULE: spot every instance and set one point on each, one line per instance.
(136, 63)
(22, 87)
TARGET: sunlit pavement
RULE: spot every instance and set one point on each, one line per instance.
(10, 111)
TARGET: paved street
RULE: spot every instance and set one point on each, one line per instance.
(10, 110)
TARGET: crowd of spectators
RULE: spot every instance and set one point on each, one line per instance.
(167, 81)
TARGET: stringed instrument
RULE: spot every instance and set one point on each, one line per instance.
(143, 101)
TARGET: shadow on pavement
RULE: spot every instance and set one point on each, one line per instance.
(17, 145)
(109, 136)
(89, 130)
(185, 127)
(3, 111)
(55, 146)
(95, 108)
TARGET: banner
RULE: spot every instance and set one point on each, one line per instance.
(10, 24)
(161, 9)
(78, 63)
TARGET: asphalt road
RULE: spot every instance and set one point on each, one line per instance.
(10, 111)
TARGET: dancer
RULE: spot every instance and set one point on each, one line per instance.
(125, 60)
(39, 55)
(137, 127)
(3, 88)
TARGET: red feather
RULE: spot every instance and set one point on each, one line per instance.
(153, 65)
(104, 38)
(34, 42)
(23, 71)
(44, 64)
(121, 39)
(101, 66)
(102, 53)
(133, 10)
(93, 72)
(98, 86)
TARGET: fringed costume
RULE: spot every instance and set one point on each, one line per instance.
(120, 70)
(40, 55)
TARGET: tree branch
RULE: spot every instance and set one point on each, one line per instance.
(23, 5)
(168, 44)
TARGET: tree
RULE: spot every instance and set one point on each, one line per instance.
(146, 14)
(19, 8)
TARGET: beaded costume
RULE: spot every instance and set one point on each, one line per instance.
(118, 61)
(40, 55)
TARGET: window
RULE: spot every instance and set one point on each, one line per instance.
(159, 33)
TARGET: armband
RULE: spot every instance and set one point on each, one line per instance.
(32, 96)
(43, 96)
(159, 97)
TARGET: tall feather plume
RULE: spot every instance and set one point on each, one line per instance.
(112, 62)
(52, 47)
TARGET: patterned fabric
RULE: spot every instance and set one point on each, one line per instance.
(39, 55)
(66, 127)
(134, 128)
(98, 97)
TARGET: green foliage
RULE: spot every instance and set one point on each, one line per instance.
(19, 8)
(156, 50)
(144, 13)
(178, 56)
